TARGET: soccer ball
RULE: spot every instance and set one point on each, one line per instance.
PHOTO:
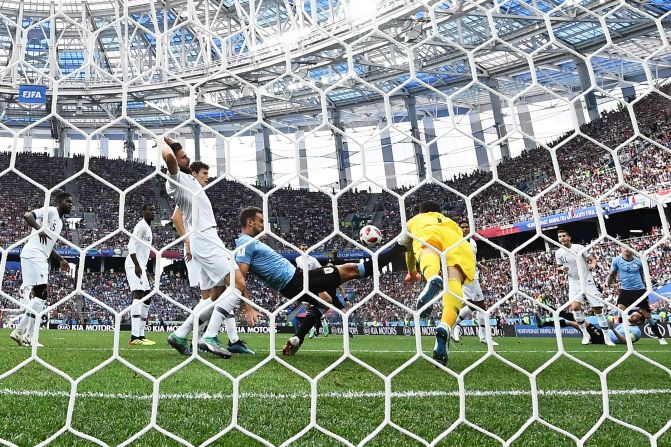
(371, 236)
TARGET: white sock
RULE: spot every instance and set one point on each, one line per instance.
(143, 321)
(185, 329)
(201, 327)
(204, 321)
(580, 319)
(25, 318)
(231, 330)
(603, 321)
(36, 307)
(481, 325)
(26, 302)
(464, 314)
(224, 308)
(135, 315)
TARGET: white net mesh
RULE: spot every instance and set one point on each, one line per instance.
(311, 110)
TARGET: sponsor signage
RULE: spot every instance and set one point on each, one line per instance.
(530, 330)
(32, 94)
(629, 203)
(522, 330)
(149, 328)
(333, 329)
(108, 253)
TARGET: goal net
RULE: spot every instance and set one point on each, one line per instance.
(517, 118)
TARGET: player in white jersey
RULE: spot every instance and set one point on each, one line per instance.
(136, 275)
(473, 294)
(574, 260)
(207, 249)
(193, 270)
(35, 258)
(192, 267)
(307, 262)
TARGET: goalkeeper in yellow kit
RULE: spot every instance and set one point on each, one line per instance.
(436, 234)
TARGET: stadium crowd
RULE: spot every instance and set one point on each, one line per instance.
(302, 216)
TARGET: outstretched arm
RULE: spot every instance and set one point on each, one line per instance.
(169, 158)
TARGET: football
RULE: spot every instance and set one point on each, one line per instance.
(371, 236)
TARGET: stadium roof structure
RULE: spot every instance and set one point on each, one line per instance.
(290, 61)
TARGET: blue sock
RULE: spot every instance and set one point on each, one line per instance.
(362, 270)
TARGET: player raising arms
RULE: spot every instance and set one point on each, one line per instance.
(136, 275)
(632, 287)
(570, 260)
(200, 171)
(440, 233)
(473, 294)
(206, 248)
(281, 275)
(35, 258)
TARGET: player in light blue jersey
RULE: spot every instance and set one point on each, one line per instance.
(617, 335)
(596, 335)
(278, 273)
(632, 287)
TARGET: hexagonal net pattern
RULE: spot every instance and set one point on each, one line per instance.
(276, 82)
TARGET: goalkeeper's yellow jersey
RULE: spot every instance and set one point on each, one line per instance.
(441, 232)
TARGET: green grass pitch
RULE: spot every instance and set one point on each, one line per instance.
(196, 403)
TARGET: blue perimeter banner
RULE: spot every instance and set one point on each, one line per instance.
(32, 94)
(348, 256)
(614, 206)
(529, 330)
(526, 330)
(664, 291)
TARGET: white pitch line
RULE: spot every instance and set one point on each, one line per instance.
(334, 395)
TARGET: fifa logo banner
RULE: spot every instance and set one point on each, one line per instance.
(32, 94)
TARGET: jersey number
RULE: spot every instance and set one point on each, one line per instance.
(53, 227)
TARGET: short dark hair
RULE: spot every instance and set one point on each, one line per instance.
(175, 146)
(198, 166)
(463, 220)
(563, 230)
(429, 206)
(248, 213)
(62, 196)
(146, 206)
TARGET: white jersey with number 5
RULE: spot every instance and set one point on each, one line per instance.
(310, 263)
(35, 249)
